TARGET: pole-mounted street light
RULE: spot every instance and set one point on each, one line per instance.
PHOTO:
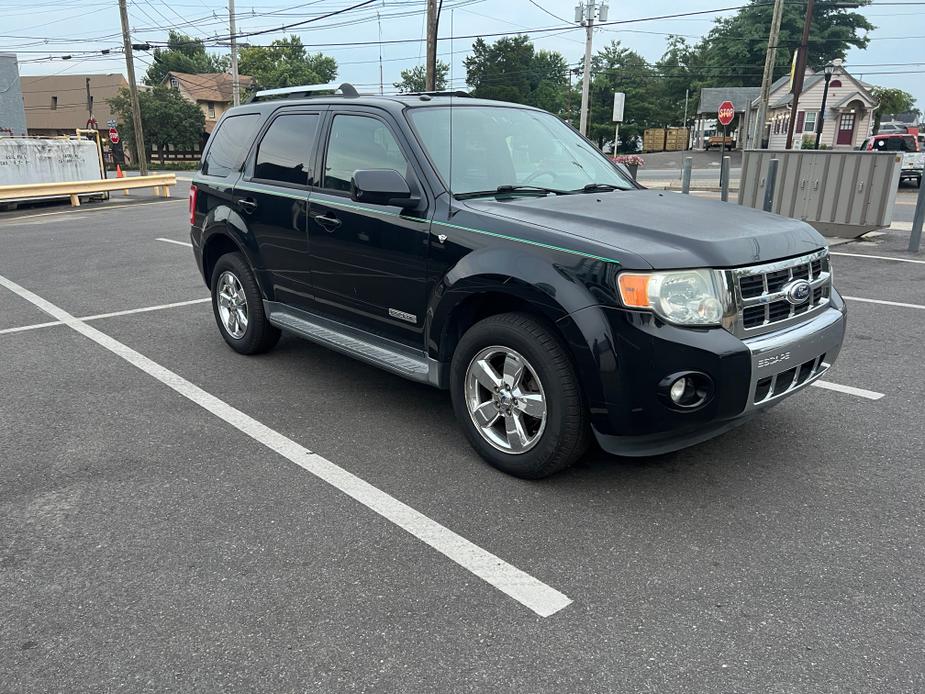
(828, 70)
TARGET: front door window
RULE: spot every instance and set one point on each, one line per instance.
(846, 129)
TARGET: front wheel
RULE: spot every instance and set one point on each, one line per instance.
(516, 395)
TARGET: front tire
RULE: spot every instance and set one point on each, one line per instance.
(238, 307)
(516, 396)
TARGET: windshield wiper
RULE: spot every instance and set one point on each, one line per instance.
(598, 187)
(501, 190)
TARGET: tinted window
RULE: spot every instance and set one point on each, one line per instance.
(286, 151)
(358, 142)
(905, 143)
(230, 144)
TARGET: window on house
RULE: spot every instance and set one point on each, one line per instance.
(174, 82)
(834, 83)
(211, 108)
(54, 103)
(809, 123)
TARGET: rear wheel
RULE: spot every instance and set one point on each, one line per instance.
(516, 396)
(238, 307)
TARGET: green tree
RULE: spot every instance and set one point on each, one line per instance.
(415, 79)
(286, 63)
(892, 101)
(183, 54)
(619, 69)
(166, 118)
(732, 53)
(675, 72)
(510, 69)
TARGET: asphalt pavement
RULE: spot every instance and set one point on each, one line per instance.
(154, 540)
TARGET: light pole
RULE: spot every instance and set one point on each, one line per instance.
(585, 14)
(828, 70)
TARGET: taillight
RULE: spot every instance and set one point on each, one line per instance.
(193, 193)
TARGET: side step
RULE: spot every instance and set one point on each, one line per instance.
(366, 347)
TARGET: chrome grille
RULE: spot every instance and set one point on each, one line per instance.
(771, 387)
(761, 302)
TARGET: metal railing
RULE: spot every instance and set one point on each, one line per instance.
(74, 189)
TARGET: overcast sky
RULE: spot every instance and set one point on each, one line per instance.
(60, 28)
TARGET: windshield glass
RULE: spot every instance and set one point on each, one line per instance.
(501, 146)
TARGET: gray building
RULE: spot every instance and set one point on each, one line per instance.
(12, 111)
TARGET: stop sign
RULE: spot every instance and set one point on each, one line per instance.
(114, 136)
(725, 113)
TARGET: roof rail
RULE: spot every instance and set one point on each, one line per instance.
(346, 89)
(458, 92)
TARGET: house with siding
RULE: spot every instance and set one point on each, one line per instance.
(849, 111)
(211, 91)
(59, 104)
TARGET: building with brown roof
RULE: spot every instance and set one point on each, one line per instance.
(211, 91)
(58, 104)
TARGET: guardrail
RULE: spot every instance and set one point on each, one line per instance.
(74, 189)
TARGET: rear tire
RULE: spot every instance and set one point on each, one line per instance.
(516, 396)
(238, 307)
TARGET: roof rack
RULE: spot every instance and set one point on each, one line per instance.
(345, 89)
(458, 92)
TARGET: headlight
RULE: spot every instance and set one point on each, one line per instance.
(685, 297)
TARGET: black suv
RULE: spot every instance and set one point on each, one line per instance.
(488, 248)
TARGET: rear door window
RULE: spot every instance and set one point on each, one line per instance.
(286, 152)
(230, 143)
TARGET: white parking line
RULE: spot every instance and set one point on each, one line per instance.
(14, 221)
(879, 257)
(527, 590)
(885, 303)
(98, 316)
(850, 390)
(179, 243)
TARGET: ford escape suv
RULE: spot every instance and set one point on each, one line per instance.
(488, 249)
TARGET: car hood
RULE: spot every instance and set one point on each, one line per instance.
(665, 230)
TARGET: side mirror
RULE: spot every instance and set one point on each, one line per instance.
(382, 187)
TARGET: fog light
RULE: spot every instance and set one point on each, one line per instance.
(687, 391)
(677, 390)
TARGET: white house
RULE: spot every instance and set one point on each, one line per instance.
(849, 110)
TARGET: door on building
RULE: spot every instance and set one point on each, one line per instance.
(845, 129)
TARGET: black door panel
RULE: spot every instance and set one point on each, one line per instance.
(368, 261)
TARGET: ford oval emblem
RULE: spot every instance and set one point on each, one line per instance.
(798, 292)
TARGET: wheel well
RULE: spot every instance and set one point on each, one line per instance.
(217, 246)
(478, 307)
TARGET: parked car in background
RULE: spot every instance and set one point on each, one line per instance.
(720, 142)
(913, 157)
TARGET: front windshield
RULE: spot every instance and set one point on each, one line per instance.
(497, 146)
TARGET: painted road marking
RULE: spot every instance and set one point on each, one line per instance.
(14, 221)
(885, 303)
(179, 243)
(98, 316)
(879, 257)
(527, 590)
(850, 390)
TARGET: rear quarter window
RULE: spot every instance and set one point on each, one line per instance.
(229, 144)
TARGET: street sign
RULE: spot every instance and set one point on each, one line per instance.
(111, 122)
(725, 113)
(114, 136)
(619, 99)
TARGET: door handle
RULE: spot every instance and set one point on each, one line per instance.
(327, 223)
(247, 204)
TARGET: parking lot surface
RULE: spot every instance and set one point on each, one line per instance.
(177, 517)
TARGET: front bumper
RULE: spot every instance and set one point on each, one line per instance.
(748, 375)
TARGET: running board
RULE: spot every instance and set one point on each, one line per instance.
(363, 346)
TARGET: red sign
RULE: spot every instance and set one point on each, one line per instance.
(114, 136)
(725, 113)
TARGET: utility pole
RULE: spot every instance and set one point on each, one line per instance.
(89, 104)
(769, 60)
(587, 18)
(798, 72)
(430, 80)
(133, 93)
(235, 80)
